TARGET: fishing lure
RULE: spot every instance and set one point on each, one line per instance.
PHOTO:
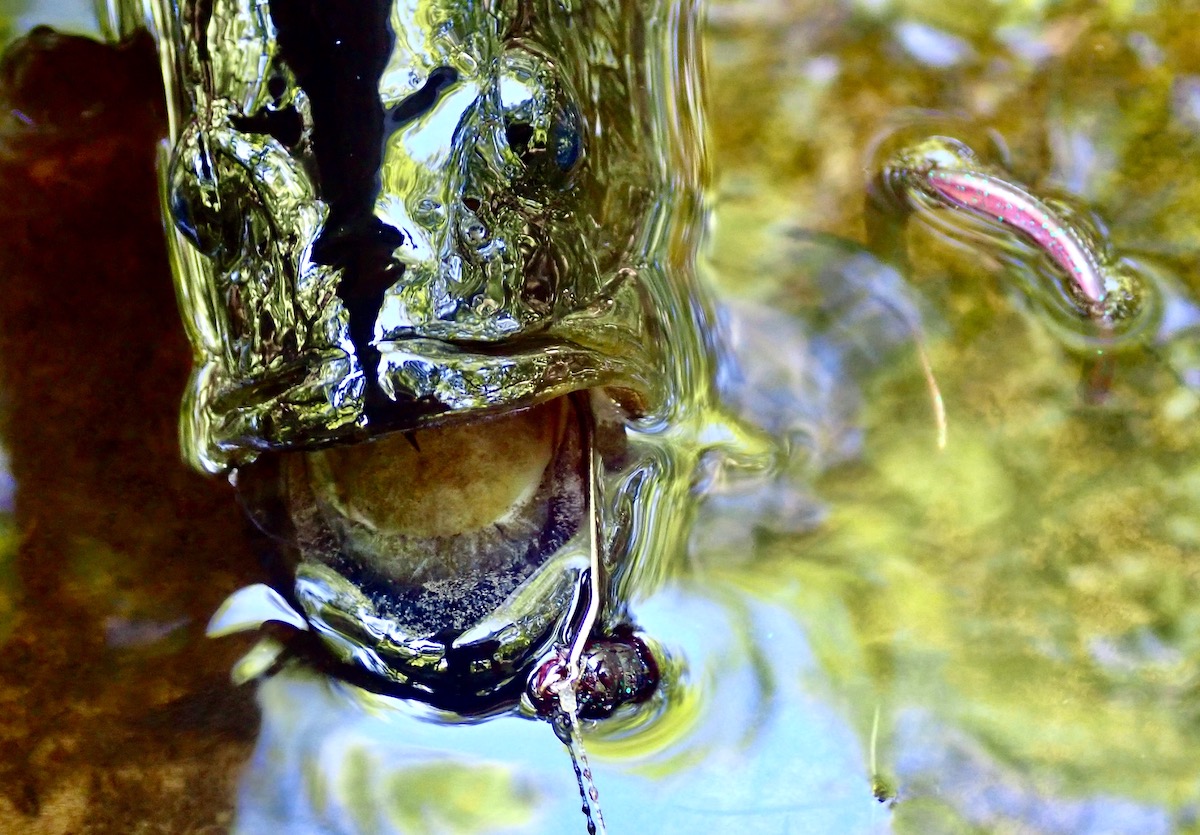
(1106, 293)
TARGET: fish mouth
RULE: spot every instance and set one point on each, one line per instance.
(442, 561)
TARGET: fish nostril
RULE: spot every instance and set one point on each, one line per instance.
(276, 87)
(541, 281)
(472, 204)
(284, 125)
(518, 135)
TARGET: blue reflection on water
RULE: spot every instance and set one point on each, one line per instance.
(937, 760)
(765, 753)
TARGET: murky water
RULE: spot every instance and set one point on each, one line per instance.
(987, 625)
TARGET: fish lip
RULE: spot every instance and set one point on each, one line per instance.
(429, 385)
(235, 408)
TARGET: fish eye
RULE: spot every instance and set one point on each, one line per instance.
(565, 138)
(553, 147)
(542, 123)
(193, 203)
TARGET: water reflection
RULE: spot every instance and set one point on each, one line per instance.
(1014, 610)
(116, 709)
(999, 637)
(747, 741)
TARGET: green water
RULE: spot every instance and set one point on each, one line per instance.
(1000, 635)
(1018, 610)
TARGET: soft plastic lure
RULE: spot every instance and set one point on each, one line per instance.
(1105, 291)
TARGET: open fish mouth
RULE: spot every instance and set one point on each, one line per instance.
(440, 562)
(452, 519)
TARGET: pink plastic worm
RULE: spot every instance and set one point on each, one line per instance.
(994, 198)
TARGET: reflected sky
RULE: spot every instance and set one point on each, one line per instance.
(760, 750)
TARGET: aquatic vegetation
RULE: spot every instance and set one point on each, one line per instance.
(974, 600)
(876, 622)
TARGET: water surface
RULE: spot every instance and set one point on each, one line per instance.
(1000, 635)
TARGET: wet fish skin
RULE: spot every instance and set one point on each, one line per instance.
(387, 215)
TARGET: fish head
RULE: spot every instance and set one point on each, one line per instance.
(399, 213)
(436, 263)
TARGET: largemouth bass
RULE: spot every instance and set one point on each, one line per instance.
(436, 261)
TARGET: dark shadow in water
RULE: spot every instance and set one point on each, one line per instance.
(115, 709)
